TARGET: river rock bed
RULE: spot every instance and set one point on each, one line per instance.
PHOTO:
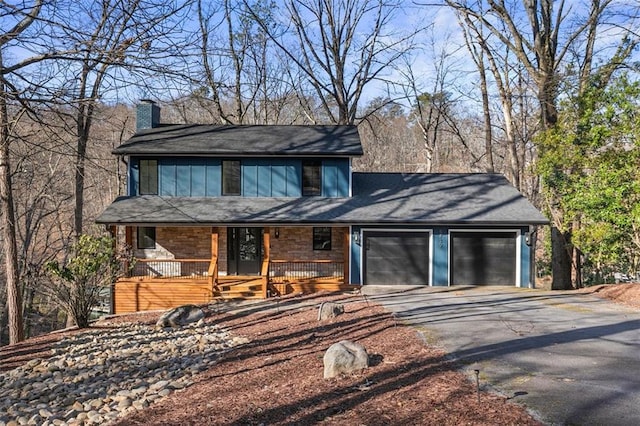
(97, 376)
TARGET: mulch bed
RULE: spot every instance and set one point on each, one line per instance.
(277, 378)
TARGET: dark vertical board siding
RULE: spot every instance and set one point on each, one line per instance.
(294, 178)
(264, 179)
(356, 250)
(167, 178)
(279, 179)
(440, 257)
(198, 179)
(249, 178)
(526, 280)
(343, 177)
(134, 176)
(261, 177)
(329, 179)
(183, 178)
(214, 178)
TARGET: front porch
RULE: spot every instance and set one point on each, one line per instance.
(156, 281)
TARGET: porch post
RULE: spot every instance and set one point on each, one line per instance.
(113, 230)
(347, 255)
(213, 266)
(128, 236)
(128, 241)
(265, 261)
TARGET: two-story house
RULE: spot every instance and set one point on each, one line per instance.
(258, 211)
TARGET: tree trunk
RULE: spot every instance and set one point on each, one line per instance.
(561, 249)
(486, 114)
(7, 223)
(4, 319)
(78, 213)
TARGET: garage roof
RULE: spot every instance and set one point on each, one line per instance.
(383, 198)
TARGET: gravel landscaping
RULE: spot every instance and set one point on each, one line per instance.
(102, 374)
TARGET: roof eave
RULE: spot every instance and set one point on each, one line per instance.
(338, 222)
(130, 153)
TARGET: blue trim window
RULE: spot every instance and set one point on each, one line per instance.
(231, 177)
(311, 177)
(146, 237)
(148, 177)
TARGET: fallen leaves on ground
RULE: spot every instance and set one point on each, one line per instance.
(627, 293)
(277, 378)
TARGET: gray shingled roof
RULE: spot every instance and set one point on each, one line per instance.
(385, 198)
(244, 140)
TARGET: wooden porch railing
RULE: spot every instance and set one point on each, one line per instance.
(213, 272)
(171, 268)
(272, 271)
(282, 271)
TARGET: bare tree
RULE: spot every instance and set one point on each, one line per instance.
(24, 18)
(340, 46)
(478, 54)
(68, 69)
(14, 296)
(501, 69)
(234, 51)
(388, 139)
(430, 106)
(114, 36)
(43, 207)
(541, 48)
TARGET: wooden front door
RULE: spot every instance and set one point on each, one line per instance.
(244, 251)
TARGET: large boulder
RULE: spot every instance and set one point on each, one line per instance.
(180, 316)
(344, 357)
(329, 310)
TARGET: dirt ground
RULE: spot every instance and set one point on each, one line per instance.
(626, 294)
(277, 378)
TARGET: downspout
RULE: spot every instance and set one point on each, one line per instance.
(113, 230)
(264, 270)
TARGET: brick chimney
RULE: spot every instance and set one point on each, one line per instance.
(147, 115)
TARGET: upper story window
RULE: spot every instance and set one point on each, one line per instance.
(148, 177)
(311, 177)
(146, 237)
(231, 177)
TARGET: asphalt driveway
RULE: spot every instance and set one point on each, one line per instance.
(572, 359)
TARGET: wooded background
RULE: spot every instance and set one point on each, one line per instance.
(545, 92)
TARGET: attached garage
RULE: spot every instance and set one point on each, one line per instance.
(396, 257)
(483, 258)
(440, 229)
